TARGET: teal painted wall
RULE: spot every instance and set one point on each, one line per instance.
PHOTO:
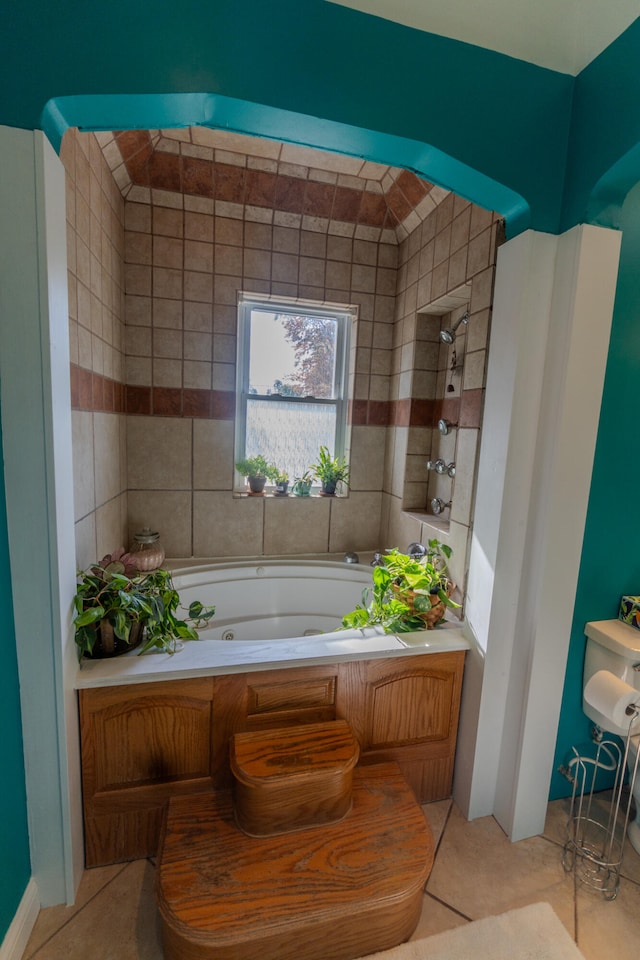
(610, 564)
(398, 95)
(603, 163)
(15, 868)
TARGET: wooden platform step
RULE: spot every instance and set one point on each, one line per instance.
(294, 777)
(326, 893)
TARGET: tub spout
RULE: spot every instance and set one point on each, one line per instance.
(351, 557)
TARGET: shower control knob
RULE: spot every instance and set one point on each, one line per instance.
(451, 469)
(438, 505)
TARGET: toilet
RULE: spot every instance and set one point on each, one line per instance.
(615, 646)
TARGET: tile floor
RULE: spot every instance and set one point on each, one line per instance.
(477, 872)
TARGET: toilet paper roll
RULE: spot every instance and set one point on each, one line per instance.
(611, 696)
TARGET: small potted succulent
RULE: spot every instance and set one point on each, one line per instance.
(119, 608)
(408, 592)
(257, 471)
(302, 485)
(330, 471)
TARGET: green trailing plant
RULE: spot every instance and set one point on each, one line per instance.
(118, 607)
(257, 467)
(408, 593)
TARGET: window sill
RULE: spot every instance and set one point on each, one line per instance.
(269, 495)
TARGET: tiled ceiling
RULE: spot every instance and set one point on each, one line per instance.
(230, 168)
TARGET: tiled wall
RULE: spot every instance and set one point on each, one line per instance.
(186, 260)
(446, 268)
(95, 241)
(153, 399)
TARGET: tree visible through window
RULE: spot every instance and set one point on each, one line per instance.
(291, 393)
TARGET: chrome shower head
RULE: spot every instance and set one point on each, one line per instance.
(448, 336)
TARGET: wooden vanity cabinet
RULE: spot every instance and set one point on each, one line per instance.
(143, 743)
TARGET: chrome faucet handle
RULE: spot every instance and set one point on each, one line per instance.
(438, 465)
(451, 469)
(416, 549)
(351, 557)
(377, 560)
(438, 505)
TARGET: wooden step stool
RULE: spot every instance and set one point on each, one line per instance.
(293, 778)
(332, 893)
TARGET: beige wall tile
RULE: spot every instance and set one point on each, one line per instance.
(85, 541)
(224, 526)
(464, 483)
(110, 532)
(296, 525)
(213, 454)
(159, 453)
(168, 512)
(355, 522)
(367, 458)
(106, 431)
(198, 226)
(83, 463)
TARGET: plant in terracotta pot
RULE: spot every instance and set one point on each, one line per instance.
(330, 471)
(257, 471)
(408, 592)
(118, 609)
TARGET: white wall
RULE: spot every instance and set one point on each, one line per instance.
(34, 379)
(553, 304)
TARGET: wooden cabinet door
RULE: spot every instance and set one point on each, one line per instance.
(406, 709)
(266, 700)
(140, 745)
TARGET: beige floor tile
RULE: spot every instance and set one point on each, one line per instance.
(436, 814)
(53, 918)
(558, 813)
(119, 923)
(555, 827)
(435, 918)
(479, 872)
(609, 929)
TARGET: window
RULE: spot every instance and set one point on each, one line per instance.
(291, 395)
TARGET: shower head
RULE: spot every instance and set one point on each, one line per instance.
(448, 336)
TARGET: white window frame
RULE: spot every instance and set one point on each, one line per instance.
(345, 315)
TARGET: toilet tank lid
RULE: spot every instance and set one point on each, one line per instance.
(616, 636)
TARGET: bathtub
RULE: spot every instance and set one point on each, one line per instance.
(273, 599)
(269, 614)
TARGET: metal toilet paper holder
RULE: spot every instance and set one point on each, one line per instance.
(595, 842)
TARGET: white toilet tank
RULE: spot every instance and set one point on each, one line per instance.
(614, 646)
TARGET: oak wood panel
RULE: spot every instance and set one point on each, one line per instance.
(402, 709)
(296, 693)
(333, 893)
(289, 779)
(407, 710)
(140, 744)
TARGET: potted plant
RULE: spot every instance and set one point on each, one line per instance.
(118, 608)
(257, 471)
(330, 471)
(408, 592)
(302, 485)
(282, 484)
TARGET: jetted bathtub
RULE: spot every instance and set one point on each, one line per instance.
(273, 599)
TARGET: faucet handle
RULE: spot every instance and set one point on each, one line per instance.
(416, 549)
(377, 560)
